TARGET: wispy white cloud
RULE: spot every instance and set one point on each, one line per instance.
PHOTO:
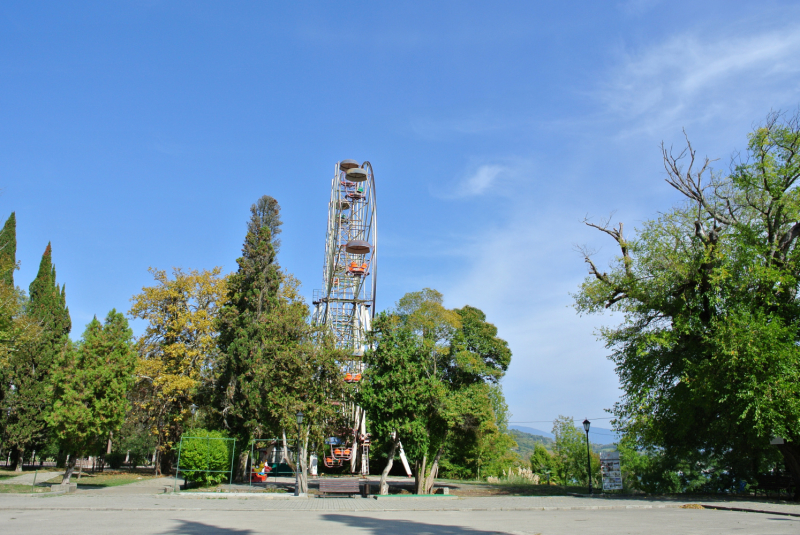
(481, 179)
(698, 78)
(499, 177)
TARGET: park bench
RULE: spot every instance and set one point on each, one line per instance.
(771, 482)
(340, 486)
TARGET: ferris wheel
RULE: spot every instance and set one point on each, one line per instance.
(346, 302)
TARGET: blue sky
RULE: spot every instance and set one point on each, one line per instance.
(137, 134)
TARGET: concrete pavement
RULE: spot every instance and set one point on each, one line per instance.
(665, 521)
(139, 509)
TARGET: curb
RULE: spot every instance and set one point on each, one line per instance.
(385, 509)
(745, 510)
(267, 495)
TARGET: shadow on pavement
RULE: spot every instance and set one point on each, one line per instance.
(187, 527)
(377, 525)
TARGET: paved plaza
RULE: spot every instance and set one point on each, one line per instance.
(140, 508)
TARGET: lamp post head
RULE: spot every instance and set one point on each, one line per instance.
(299, 417)
(586, 424)
(194, 408)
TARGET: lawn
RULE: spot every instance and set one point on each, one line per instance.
(16, 489)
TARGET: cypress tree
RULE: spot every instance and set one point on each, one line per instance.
(270, 367)
(30, 368)
(48, 305)
(8, 306)
(245, 326)
(8, 251)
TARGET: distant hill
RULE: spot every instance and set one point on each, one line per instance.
(526, 442)
(532, 431)
(597, 435)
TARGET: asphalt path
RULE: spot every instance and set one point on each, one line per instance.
(141, 511)
(666, 521)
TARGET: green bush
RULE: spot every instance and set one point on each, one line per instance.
(208, 451)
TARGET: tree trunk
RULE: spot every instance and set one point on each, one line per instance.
(384, 490)
(302, 465)
(434, 471)
(242, 475)
(157, 462)
(791, 455)
(69, 469)
(168, 460)
(108, 446)
(286, 458)
(20, 459)
(419, 474)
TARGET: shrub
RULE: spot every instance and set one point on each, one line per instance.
(206, 458)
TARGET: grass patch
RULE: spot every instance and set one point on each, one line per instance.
(22, 489)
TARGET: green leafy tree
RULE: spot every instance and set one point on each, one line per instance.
(177, 352)
(395, 391)
(707, 352)
(29, 367)
(90, 386)
(570, 449)
(457, 362)
(542, 462)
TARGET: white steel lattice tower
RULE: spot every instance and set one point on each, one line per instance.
(346, 303)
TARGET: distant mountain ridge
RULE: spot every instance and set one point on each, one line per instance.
(526, 442)
(597, 435)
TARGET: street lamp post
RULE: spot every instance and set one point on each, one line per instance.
(299, 416)
(586, 424)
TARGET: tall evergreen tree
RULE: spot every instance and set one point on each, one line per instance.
(30, 368)
(266, 212)
(273, 362)
(8, 304)
(8, 251)
(245, 329)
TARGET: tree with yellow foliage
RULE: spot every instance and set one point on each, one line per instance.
(177, 351)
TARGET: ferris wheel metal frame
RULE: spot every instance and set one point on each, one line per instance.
(346, 302)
